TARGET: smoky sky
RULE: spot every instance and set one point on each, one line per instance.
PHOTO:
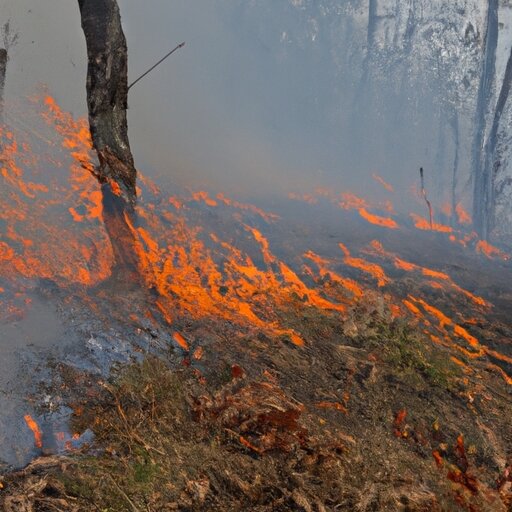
(266, 96)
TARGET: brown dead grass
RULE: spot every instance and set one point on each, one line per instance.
(348, 423)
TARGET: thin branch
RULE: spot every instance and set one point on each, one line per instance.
(181, 45)
(125, 496)
(424, 193)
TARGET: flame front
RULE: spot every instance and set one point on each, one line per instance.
(200, 269)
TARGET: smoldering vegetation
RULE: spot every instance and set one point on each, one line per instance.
(323, 349)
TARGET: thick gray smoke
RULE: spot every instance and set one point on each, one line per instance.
(291, 94)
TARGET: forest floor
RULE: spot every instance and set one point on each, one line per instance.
(368, 416)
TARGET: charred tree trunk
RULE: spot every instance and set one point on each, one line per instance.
(3, 69)
(107, 92)
(107, 101)
(480, 184)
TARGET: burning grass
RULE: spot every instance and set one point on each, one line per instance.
(405, 348)
(292, 377)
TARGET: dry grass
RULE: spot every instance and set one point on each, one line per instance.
(326, 434)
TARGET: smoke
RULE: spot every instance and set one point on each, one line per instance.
(266, 97)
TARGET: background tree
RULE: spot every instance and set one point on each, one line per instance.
(9, 39)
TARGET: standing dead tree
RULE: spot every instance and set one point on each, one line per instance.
(424, 194)
(9, 39)
(3, 69)
(107, 93)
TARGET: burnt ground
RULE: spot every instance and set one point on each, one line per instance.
(368, 415)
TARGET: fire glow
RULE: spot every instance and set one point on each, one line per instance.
(54, 229)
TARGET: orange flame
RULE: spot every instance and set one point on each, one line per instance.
(32, 425)
(370, 268)
(490, 251)
(180, 340)
(462, 215)
(424, 224)
(382, 182)
(194, 273)
(205, 198)
(384, 222)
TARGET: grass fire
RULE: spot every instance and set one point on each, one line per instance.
(171, 347)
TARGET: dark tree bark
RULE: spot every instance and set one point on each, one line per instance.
(3, 69)
(107, 101)
(107, 92)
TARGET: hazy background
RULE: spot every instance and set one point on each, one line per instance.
(266, 96)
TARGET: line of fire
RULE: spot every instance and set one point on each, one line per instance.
(184, 348)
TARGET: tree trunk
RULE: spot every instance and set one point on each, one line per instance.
(454, 123)
(487, 78)
(3, 69)
(107, 101)
(492, 158)
(107, 92)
